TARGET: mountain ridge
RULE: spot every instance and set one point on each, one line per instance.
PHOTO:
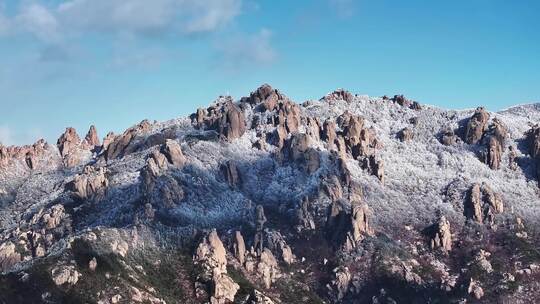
(358, 178)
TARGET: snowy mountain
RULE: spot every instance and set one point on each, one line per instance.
(346, 199)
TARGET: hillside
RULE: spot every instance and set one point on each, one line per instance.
(346, 199)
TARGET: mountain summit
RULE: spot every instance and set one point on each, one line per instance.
(346, 199)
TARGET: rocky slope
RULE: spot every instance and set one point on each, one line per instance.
(347, 199)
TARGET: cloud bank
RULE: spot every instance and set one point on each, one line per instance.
(76, 17)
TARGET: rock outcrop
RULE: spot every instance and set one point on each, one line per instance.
(8, 256)
(169, 192)
(442, 235)
(265, 96)
(260, 220)
(226, 118)
(230, 173)
(339, 94)
(239, 247)
(65, 275)
(173, 152)
(496, 138)
(127, 143)
(304, 216)
(298, 150)
(483, 204)
(339, 286)
(359, 226)
(91, 184)
(91, 140)
(268, 268)
(212, 257)
(476, 126)
(33, 156)
(277, 244)
(405, 135)
(449, 138)
(533, 140)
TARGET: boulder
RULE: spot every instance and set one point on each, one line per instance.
(512, 156)
(338, 222)
(313, 128)
(289, 116)
(401, 100)
(329, 133)
(172, 151)
(65, 275)
(449, 138)
(224, 289)
(405, 135)
(475, 289)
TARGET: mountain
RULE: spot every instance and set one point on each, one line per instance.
(346, 199)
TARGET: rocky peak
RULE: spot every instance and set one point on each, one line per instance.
(265, 96)
(119, 146)
(91, 139)
(476, 126)
(225, 117)
(339, 94)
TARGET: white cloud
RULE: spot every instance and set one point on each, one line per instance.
(179, 17)
(242, 49)
(343, 8)
(4, 23)
(143, 16)
(39, 21)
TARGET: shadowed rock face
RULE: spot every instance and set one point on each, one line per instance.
(230, 173)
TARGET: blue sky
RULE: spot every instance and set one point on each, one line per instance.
(113, 63)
